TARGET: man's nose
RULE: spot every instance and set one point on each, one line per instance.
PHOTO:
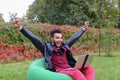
(60, 39)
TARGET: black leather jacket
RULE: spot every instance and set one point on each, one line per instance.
(47, 48)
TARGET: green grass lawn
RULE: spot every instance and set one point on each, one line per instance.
(14, 71)
(106, 68)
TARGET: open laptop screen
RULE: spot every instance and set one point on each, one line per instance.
(84, 60)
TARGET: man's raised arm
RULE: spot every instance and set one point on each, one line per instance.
(34, 39)
(78, 34)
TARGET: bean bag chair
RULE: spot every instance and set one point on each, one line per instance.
(37, 71)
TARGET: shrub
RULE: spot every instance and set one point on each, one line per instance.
(16, 47)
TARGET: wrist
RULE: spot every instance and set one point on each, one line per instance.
(83, 28)
(20, 27)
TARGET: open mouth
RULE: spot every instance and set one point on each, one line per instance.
(58, 44)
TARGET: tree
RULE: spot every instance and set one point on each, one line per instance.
(1, 18)
(108, 12)
(73, 12)
(12, 16)
(62, 11)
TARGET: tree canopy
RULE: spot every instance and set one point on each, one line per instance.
(74, 12)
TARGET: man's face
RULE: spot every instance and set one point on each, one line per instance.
(57, 39)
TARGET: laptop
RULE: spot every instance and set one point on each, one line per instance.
(84, 61)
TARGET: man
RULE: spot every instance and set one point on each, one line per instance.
(57, 54)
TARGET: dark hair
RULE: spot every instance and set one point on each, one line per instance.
(52, 32)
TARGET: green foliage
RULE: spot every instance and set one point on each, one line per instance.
(109, 38)
(62, 11)
(75, 12)
(9, 34)
(1, 18)
(108, 12)
(109, 41)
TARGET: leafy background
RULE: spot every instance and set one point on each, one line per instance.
(15, 47)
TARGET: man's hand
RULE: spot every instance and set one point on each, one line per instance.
(17, 23)
(86, 24)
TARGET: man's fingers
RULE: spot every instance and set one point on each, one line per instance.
(16, 22)
(86, 23)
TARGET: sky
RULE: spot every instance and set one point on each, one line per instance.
(14, 6)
